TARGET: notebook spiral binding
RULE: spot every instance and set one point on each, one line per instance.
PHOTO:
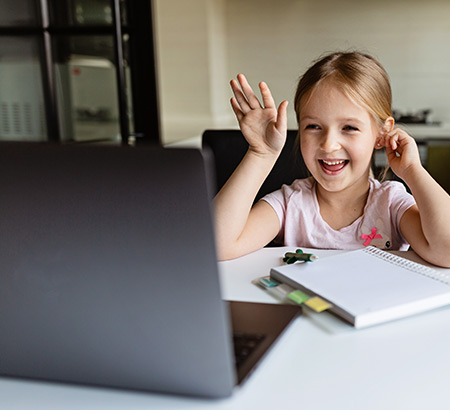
(410, 265)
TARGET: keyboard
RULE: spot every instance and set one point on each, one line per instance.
(244, 345)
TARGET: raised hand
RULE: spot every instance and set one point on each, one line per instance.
(264, 127)
(402, 151)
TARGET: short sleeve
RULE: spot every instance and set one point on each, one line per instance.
(400, 202)
(285, 202)
(277, 201)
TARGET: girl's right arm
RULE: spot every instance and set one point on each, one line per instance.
(241, 228)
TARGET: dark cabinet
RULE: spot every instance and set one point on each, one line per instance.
(78, 71)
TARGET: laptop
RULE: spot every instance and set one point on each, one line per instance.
(108, 273)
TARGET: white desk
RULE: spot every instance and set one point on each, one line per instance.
(319, 363)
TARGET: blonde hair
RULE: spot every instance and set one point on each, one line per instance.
(360, 77)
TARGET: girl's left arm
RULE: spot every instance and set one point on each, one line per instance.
(426, 225)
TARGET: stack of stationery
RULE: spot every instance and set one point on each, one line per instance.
(369, 286)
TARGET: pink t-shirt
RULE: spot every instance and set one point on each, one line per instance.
(301, 223)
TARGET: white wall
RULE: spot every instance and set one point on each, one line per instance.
(192, 64)
(202, 44)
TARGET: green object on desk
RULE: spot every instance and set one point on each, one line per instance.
(298, 297)
(267, 282)
(299, 255)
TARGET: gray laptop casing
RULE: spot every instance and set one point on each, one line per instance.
(108, 272)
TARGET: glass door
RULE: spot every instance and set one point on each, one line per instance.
(85, 70)
(22, 107)
(73, 71)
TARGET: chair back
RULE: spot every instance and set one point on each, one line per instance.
(229, 147)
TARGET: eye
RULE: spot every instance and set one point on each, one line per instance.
(312, 127)
(350, 128)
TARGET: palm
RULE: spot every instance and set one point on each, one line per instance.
(259, 128)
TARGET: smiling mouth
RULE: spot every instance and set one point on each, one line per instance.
(333, 167)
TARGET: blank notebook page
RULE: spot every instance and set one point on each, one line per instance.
(368, 280)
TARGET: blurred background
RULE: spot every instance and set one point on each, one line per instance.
(158, 71)
(202, 44)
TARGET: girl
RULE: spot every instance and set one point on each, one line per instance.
(343, 107)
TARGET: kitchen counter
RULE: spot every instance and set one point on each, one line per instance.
(421, 133)
(424, 132)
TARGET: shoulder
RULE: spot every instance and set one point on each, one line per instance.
(390, 194)
(389, 188)
(298, 190)
(298, 186)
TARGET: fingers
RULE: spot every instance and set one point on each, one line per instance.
(246, 98)
(237, 109)
(244, 94)
(245, 103)
(253, 101)
(239, 97)
(401, 150)
(396, 139)
(282, 116)
(390, 142)
(268, 101)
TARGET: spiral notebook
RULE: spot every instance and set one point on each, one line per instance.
(369, 286)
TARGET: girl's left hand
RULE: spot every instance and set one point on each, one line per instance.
(401, 151)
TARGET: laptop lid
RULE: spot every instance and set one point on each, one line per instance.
(109, 273)
(108, 270)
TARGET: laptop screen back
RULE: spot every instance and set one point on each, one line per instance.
(108, 272)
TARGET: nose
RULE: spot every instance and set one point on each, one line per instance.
(330, 141)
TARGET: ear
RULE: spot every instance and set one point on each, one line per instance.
(387, 127)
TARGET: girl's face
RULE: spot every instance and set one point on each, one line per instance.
(337, 138)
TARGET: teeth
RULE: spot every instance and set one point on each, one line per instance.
(334, 162)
